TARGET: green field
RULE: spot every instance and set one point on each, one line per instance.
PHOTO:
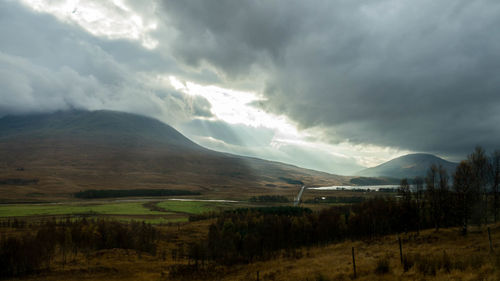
(70, 209)
(120, 209)
(190, 207)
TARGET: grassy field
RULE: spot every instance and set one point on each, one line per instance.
(166, 211)
(193, 207)
(444, 255)
(135, 208)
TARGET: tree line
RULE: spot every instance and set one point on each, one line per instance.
(246, 235)
(33, 252)
(109, 193)
(436, 200)
(469, 195)
(269, 198)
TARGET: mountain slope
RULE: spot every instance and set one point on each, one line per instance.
(76, 150)
(407, 166)
(92, 126)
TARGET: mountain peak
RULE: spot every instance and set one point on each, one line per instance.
(97, 126)
(69, 151)
(407, 166)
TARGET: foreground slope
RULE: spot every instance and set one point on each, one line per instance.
(53, 155)
(436, 256)
(407, 166)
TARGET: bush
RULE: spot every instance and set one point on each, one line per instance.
(320, 277)
(382, 266)
(408, 262)
(431, 264)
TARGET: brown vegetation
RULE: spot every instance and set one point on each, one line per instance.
(74, 151)
(443, 255)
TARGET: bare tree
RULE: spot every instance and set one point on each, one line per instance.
(408, 214)
(495, 175)
(466, 194)
(419, 200)
(431, 194)
(404, 191)
(443, 195)
(480, 174)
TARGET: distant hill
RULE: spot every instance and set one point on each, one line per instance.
(56, 154)
(407, 166)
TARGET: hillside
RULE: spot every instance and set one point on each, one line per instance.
(53, 155)
(407, 166)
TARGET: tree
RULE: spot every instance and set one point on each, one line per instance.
(466, 194)
(443, 196)
(432, 194)
(495, 176)
(419, 200)
(404, 190)
(480, 174)
(407, 214)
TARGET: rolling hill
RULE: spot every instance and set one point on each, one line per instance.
(407, 166)
(56, 154)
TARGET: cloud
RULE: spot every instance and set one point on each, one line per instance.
(48, 65)
(113, 19)
(326, 84)
(231, 35)
(418, 76)
(234, 134)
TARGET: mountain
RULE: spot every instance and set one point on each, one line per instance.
(407, 166)
(56, 154)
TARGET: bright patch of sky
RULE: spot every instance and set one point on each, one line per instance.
(110, 19)
(237, 107)
(115, 20)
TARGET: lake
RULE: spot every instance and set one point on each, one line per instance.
(356, 187)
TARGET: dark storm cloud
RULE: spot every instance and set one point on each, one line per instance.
(233, 35)
(417, 75)
(47, 65)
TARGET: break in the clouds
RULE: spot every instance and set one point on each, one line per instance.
(421, 75)
(329, 85)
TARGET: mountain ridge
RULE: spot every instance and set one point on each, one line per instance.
(70, 151)
(407, 166)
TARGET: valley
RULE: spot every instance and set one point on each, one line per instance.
(50, 157)
(111, 195)
(249, 140)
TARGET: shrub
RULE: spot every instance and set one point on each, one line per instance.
(408, 262)
(382, 266)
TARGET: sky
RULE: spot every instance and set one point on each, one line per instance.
(331, 85)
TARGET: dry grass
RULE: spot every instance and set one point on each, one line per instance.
(443, 255)
(379, 259)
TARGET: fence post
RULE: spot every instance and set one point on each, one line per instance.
(400, 249)
(353, 263)
(489, 238)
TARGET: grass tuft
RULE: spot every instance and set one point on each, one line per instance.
(383, 266)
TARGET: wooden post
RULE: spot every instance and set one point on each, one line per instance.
(353, 263)
(489, 237)
(400, 249)
(257, 275)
